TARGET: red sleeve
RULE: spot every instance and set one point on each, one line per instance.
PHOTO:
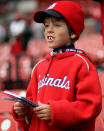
(23, 121)
(87, 105)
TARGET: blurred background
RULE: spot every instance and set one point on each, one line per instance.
(22, 45)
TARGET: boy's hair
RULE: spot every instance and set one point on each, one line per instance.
(71, 32)
(68, 10)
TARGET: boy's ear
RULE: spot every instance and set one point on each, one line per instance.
(73, 36)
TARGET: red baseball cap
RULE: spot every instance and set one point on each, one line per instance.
(69, 10)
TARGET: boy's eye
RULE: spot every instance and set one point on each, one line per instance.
(57, 25)
(46, 25)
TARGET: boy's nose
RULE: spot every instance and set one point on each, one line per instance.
(50, 29)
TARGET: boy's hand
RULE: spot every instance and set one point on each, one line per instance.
(20, 108)
(43, 111)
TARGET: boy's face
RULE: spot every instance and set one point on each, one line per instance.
(56, 33)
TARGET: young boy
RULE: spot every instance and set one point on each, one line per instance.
(65, 84)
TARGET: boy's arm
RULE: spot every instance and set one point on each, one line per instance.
(24, 121)
(85, 108)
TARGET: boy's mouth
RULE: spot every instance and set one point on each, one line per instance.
(50, 38)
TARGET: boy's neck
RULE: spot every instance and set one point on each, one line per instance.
(69, 48)
(65, 47)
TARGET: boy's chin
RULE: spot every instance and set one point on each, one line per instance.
(54, 45)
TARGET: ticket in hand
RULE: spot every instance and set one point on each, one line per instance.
(14, 97)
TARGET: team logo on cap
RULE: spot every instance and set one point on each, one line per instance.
(52, 6)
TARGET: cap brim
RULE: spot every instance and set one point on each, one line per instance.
(41, 15)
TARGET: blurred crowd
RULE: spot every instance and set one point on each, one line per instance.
(18, 33)
(17, 26)
(22, 42)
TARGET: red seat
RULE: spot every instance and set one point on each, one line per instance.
(102, 111)
(101, 78)
(96, 49)
(12, 61)
(99, 124)
(7, 123)
(7, 49)
(7, 72)
(25, 67)
(38, 49)
(4, 68)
